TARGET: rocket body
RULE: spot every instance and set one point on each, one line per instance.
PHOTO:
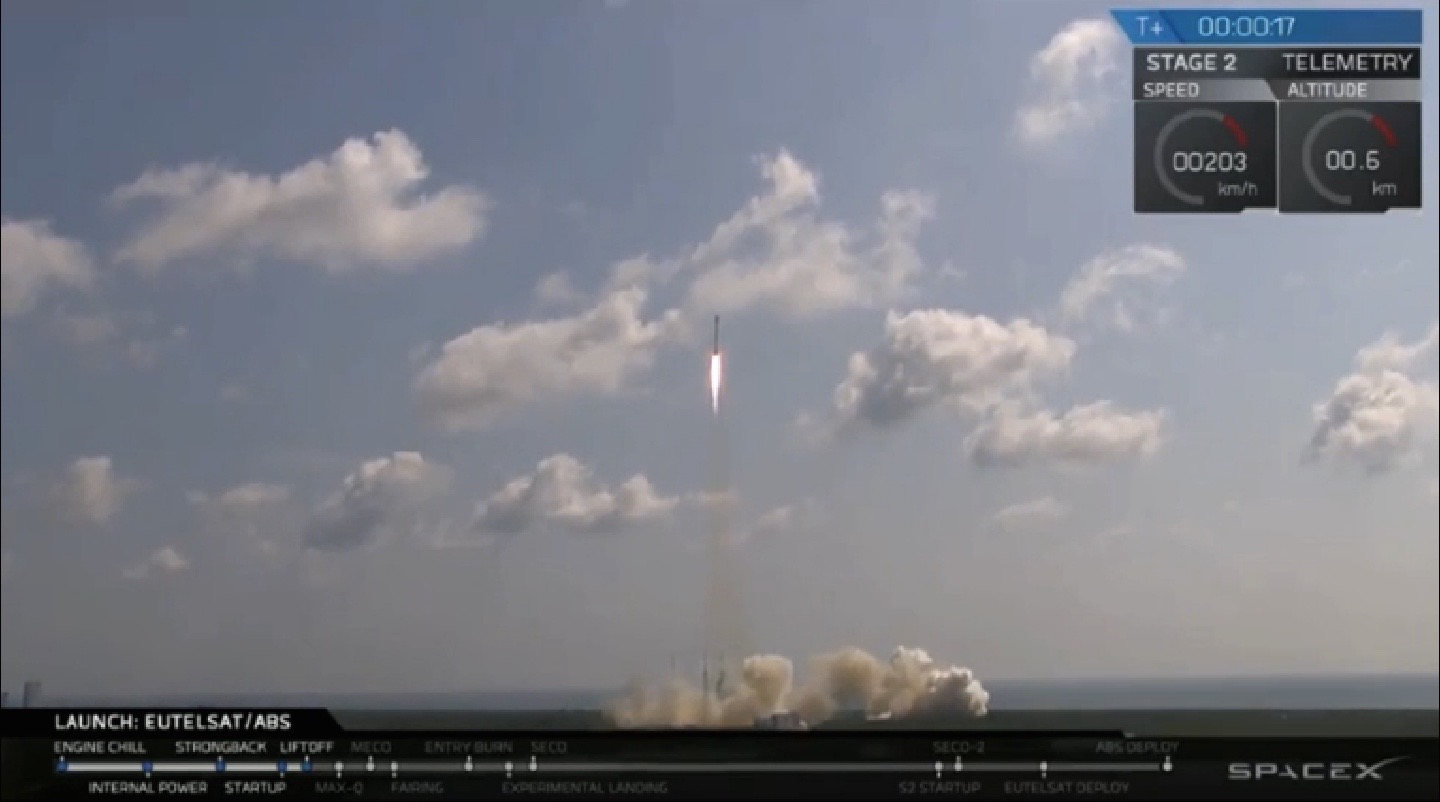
(717, 371)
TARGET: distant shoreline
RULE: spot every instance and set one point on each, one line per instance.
(1395, 691)
(1416, 680)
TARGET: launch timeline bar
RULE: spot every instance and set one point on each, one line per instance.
(424, 767)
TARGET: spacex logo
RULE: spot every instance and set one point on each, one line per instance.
(1341, 772)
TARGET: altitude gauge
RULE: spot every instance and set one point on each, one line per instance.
(1350, 158)
(1217, 157)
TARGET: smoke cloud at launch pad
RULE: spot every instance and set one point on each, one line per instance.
(849, 679)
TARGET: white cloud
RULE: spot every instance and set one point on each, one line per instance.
(564, 494)
(1390, 353)
(380, 499)
(936, 357)
(1028, 514)
(1382, 413)
(118, 335)
(1073, 82)
(87, 330)
(991, 373)
(1095, 432)
(639, 271)
(557, 289)
(498, 368)
(1375, 419)
(33, 259)
(146, 352)
(244, 500)
(782, 519)
(255, 515)
(164, 560)
(90, 493)
(358, 206)
(1109, 285)
(776, 253)
(237, 392)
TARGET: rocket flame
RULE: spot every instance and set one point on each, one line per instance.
(717, 377)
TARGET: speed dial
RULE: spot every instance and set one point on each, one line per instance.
(1204, 158)
(1351, 158)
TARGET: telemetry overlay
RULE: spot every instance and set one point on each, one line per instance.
(1313, 110)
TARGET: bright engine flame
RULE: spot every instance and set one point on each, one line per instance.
(717, 377)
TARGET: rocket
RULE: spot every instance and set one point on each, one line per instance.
(717, 370)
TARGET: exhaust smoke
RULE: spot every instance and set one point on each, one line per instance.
(726, 628)
(850, 679)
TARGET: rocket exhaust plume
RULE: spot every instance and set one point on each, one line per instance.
(725, 631)
(717, 377)
(850, 679)
(717, 371)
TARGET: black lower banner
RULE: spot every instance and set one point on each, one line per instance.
(248, 754)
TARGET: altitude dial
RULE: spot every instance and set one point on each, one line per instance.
(1360, 158)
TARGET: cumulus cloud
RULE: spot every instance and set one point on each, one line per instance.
(494, 369)
(357, 207)
(1385, 411)
(1073, 82)
(1391, 353)
(991, 373)
(1095, 432)
(381, 499)
(110, 335)
(786, 516)
(164, 560)
(244, 500)
(237, 392)
(557, 289)
(33, 260)
(1374, 419)
(1028, 514)
(937, 357)
(779, 520)
(90, 493)
(776, 252)
(87, 329)
(564, 494)
(1110, 286)
(254, 515)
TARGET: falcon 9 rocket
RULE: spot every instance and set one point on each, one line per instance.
(717, 371)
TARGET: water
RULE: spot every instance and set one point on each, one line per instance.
(1389, 692)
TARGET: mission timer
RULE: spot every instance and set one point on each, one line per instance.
(1350, 157)
(1204, 157)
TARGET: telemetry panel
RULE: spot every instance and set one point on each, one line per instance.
(1295, 110)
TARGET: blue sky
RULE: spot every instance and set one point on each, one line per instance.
(335, 334)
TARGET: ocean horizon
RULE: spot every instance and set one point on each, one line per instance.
(1410, 691)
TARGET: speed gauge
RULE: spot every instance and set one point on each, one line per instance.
(1216, 157)
(1350, 158)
